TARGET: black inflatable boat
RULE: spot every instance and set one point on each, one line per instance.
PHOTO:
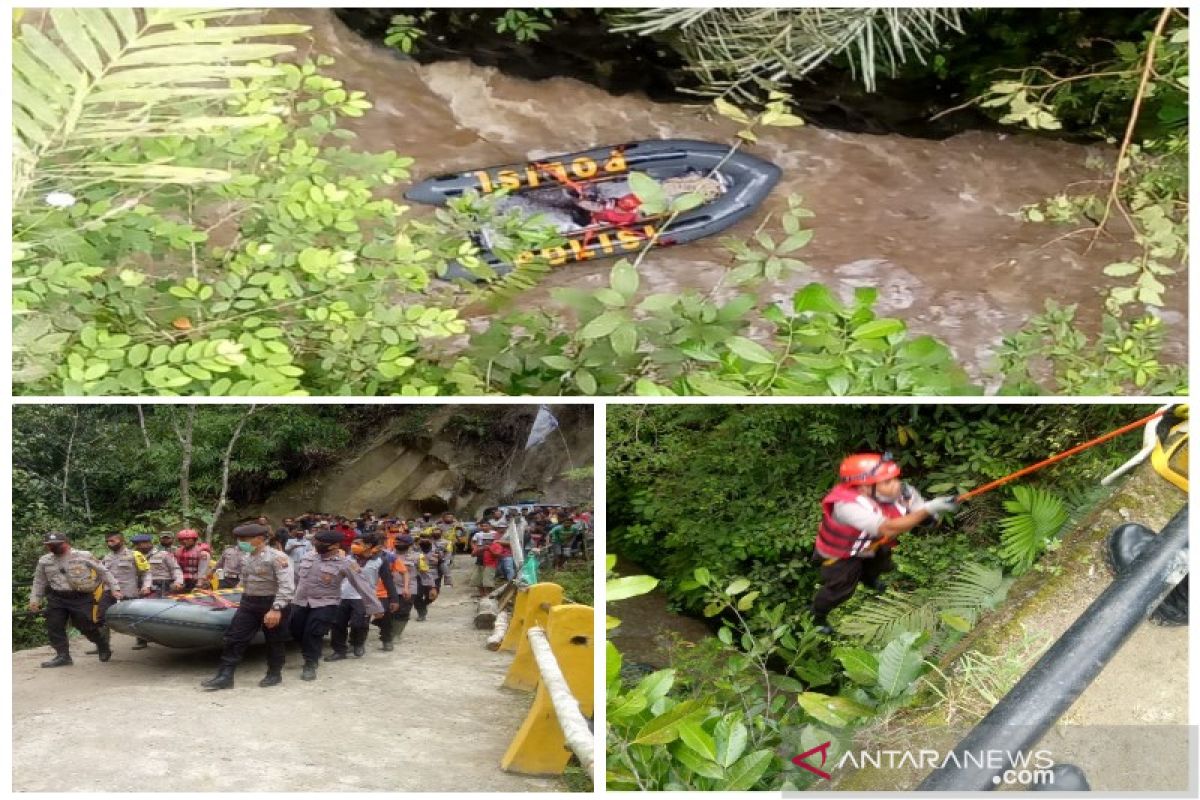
(552, 187)
(184, 620)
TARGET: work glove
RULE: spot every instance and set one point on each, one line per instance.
(940, 506)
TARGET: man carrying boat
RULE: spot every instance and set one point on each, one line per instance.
(193, 560)
(867, 509)
(165, 574)
(68, 581)
(131, 571)
(268, 589)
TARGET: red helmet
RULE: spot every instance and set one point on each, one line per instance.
(188, 533)
(864, 469)
(629, 202)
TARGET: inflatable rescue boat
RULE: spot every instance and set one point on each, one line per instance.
(184, 620)
(573, 192)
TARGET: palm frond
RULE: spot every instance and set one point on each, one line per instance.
(87, 77)
(945, 610)
(1037, 515)
(739, 51)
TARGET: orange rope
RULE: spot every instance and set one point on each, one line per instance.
(987, 487)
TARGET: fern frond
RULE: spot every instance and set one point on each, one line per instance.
(888, 616)
(98, 76)
(1037, 515)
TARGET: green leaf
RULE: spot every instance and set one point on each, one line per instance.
(624, 279)
(877, 329)
(648, 190)
(725, 635)
(602, 325)
(697, 740)
(738, 586)
(698, 764)
(749, 350)
(860, 666)
(838, 384)
(899, 665)
(744, 774)
(624, 339)
(747, 600)
(955, 621)
(815, 297)
(702, 576)
(731, 737)
(558, 362)
(834, 710)
(730, 111)
(656, 685)
(632, 586)
(585, 381)
(664, 728)
(612, 663)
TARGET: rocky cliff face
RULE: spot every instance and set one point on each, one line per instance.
(462, 459)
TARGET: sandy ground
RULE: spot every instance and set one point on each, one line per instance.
(429, 716)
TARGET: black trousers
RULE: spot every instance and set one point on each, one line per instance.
(386, 622)
(840, 579)
(189, 584)
(73, 607)
(309, 626)
(248, 621)
(352, 619)
(421, 600)
(161, 588)
(107, 601)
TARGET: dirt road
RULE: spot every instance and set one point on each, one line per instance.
(429, 716)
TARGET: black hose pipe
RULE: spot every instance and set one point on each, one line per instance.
(1018, 722)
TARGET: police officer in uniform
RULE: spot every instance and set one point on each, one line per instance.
(230, 565)
(165, 574)
(319, 593)
(267, 589)
(67, 579)
(133, 577)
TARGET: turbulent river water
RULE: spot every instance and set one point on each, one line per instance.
(933, 225)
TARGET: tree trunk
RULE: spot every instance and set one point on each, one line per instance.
(142, 424)
(185, 463)
(237, 432)
(66, 478)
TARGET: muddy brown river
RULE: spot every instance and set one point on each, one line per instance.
(933, 225)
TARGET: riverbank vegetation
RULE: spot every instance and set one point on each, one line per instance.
(721, 504)
(191, 216)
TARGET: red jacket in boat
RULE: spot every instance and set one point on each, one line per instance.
(837, 540)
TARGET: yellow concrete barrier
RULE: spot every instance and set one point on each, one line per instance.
(529, 600)
(540, 746)
(523, 672)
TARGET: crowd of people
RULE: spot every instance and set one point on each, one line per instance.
(312, 576)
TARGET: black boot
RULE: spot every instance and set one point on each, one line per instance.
(142, 644)
(876, 585)
(822, 624)
(60, 660)
(387, 647)
(309, 673)
(274, 677)
(103, 648)
(398, 629)
(334, 656)
(359, 651)
(222, 680)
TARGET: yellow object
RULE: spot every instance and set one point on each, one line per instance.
(140, 562)
(547, 594)
(523, 673)
(539, 748)
(1170, 454)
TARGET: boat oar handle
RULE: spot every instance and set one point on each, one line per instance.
(987, 487)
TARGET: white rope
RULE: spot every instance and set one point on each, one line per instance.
(501, 628)
(570, 718)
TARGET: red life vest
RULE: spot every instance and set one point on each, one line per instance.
(835, 540)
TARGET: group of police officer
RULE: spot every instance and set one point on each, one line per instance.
(307, 586)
